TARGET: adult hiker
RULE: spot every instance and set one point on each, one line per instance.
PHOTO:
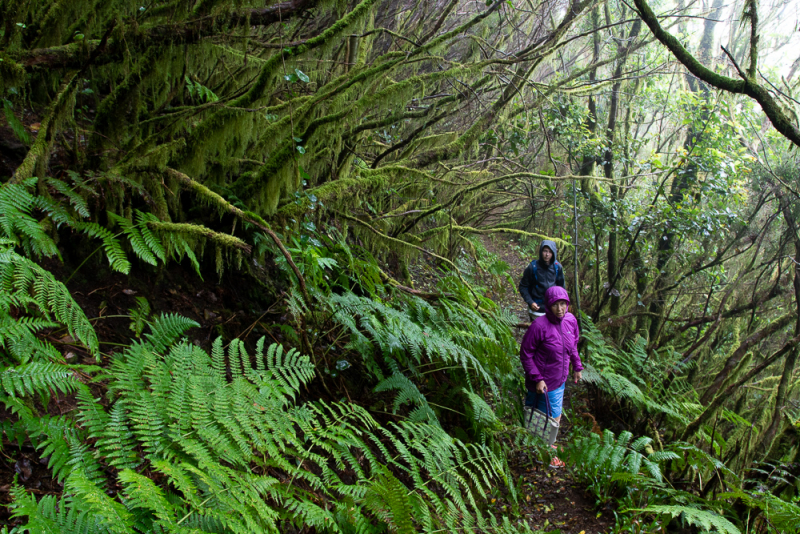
(547, 349)
(541, 274)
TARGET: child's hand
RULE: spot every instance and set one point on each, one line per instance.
(541, 387)
(578, 376)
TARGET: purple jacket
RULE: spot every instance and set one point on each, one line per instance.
(550, 344)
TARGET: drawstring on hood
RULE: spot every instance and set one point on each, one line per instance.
(551, 296)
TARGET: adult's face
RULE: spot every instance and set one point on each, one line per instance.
(547, 254)
(559, 308)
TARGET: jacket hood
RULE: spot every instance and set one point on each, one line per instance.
(552, 295)
(552, 246)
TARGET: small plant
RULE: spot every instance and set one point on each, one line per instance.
(139, 315)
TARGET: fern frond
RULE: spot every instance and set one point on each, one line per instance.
(112, 246)
(290, 369)
(705, 519)
(153, 243)
(388, 499)
(111, 514)
(138, 244)
(37, 377)
(407, 391)
(39, 515)
(18, 225)
(167, 328)
(142, 493)
(116, 442)
(14, 123)
(77, 201)
(20, 276)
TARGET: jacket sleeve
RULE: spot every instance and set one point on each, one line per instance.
(560, 276)
(526, 284)
(574, 357)
(526, 351)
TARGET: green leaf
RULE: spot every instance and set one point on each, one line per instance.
(15, 124)
(303, 76)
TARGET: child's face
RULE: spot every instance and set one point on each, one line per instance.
(547, 254)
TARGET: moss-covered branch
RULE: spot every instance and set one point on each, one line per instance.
(748, 86)
(402, 243)
(715, 404)
(219, 239)
(74, 55)
(37, 156)
(223, 205)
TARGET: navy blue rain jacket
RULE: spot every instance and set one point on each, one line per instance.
(539, 276)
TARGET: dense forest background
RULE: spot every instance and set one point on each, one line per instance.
(249, 267)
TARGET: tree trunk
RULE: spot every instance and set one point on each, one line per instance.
(682, 184)
(608, 170)
(767, 441)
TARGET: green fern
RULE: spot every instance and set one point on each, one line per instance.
(608, 464)
(75, 199)
(36, 377)
(291, 369)
(140, 246)
(782, 515)
(707, 520)
(139, 315)
(389, 500)
(482, 414)
(17, 223)
(167, 328)
(209, 424)
(196, 89)
(634, 377)
(408, 392)
(154, 244)
(31, 284)
(14, 123)
(88, 497)
(111, 244)
(41, 516)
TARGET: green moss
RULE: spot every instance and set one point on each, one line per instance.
(12, 74)
(37, 157)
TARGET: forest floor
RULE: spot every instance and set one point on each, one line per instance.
(549, 499)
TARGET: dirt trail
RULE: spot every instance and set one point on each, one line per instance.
(549, 498)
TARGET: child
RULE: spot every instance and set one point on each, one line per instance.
(540, 275)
